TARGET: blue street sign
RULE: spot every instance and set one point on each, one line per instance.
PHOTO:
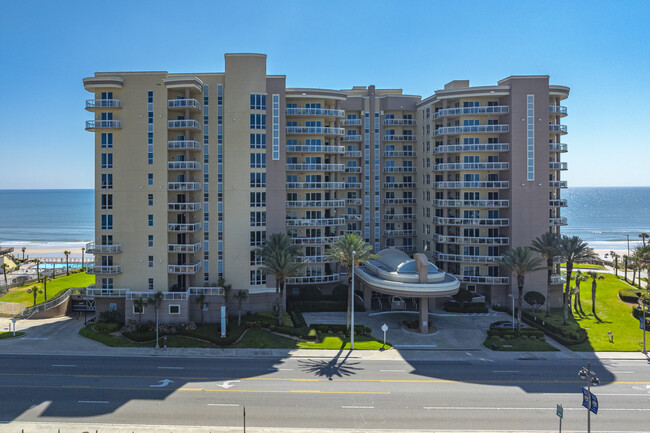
(594, 404)
(585, 401)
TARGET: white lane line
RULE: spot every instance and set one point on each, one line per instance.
(505, 371)
(63, 365)
(171, 368)
(528, 408)
(280, 369)
(357, 407)
(223, 404)
(393, 371)
(622, 372)
(93, 401)
(34, 338)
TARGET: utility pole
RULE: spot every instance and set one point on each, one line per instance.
(354, 253)
(590, 377)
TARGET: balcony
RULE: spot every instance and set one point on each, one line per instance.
(351, 232)
(293, 148)
(354, 201)
(501, 184)
(558, 279)
(184, 269)
(323, 112)
(399, 217)
(558, 203)
(353, 169)
(352, 216)
(557, 109)
(462, 258)
(399, 232)
(481, 147)
(399, 185)
(462, 111)
(558, 166)
(471, 240)
(472, 203)
(480, 279)
(315, 130)
(97, 292)
(315, 167)
(314, 259)
(557, 184)
(488, 222)
(399, 137)
(562, 221)
(184, 124)
(399, 153)
(353, 154)
(315, 185)
(353, 185)
(471, 166)
(399, 200)
(351, 122)
(314, 279)
(184, 248)
(309, 222)
(399, 122)
(184, 145)
(103, 124)
(322, 240)
(94, 248)
(351, 138)
(403, 169)
(176, 104)
(558, 147)
(183, 207)
(103, 270)
(471, 129)
(183, 186)
(92, 104)
(183, 227)
(315, 203)
(562, 129)
(183, 165)
(405, 248)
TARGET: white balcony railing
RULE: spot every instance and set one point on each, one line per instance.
(480, 279)
(562, 221)
(183, 124)
(398, 137)
(399, 122)
(295, 148)
(399, 200)
(184, 103)
(399, 216)
(470, 129)
(557, 184)
(103, 103)
(352, 185)
(183, 186)
(103, 270)
(96, 292)
(94, 248)
(353, 154)
(184, 269)
(399, 233)
(481, 147)
(399, 185)
(183, 165)
(315, 203)
(399, 153)
(314, 259)
(501, 184)
(558, 279)
(316, 130)
(183, 207)
(351, 122)
(489, 222)
(463, 258)
(325, 112)
(315, 167)
(455, 166)
(216, 291)
(352, 169)
(472, 203)
(352, 216)
(562, 129)
(308, 222)
(322, 240)
(353, 201)
(183, 227)
(558, 203)
(351, 138)
(402, 169)
(183, 145)
(184, 248)
(558, 166)
(103, 124)
(469, 240)
(558, 147)
(461, 111)
(405, 248)
(557, 109)
(314, 279)
(315, 185)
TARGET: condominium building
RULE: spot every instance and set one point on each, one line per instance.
(192, 171)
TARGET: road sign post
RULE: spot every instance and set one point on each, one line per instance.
(384, 328)
(559, 411)
(13, 320)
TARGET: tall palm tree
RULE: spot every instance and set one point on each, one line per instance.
(578, 278)
(138, 305)
(572, 249)
(240, 297)
(594, 276)
(200, 299)
(23, 250)
(34, 291)
(520, 261)
(342, 251)
(615, 257)
(45, 286)
(227, 288)
(280, 259)
(67, 264)
(5, 267)
(643, 237)
(83, 250)
(38, 271)
(155, 301)
(546, 246)
(626, 258)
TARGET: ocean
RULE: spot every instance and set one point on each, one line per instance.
(602, 216)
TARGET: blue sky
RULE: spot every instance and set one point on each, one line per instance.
(599, 49)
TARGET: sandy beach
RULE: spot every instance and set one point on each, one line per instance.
(50, 251)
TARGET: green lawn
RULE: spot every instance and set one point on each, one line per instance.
(10, 334)
(20, 295)
(584, 266)
(119, 341)
(261, 338)
(518, 345)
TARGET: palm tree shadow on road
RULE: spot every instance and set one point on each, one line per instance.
(331, 368)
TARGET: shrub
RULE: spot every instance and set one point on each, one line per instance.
(308, 293)
(528, 332)
(342, 329)
(629, 295)
(110, 316)
(463, 297)
(534, 299)
(266, 319)
(106, 328)
(130, 327)
(298, 320)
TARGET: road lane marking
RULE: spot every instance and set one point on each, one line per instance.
(63, 365)
(223, 404)
(163, 383)
(528, 408)
(393, 371)
(34, 338)
(171, 368)
(92, 402)
(280, 369)
(505, 371)
(357, 407)
(227, 384)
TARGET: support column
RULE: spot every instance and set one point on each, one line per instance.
(424, 315)
(367, 296)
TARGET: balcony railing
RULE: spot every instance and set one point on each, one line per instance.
(501, 184)
(480, 279)
(557, 109)
(399, 122)
(403, 169)
(184, 269)
(183, 124)
(351, 122)
(353, 201)
(558, 279)
(325, 112)
(490, 222)
(351, 232)
(183, 165)
(294, 148)
(399, 185)
(399, 200)
(557, 184)
(399, 153)
(183, 227)
(562, 129)
(184, 248)
(353, 169)
(471, 240)
(558, 203)
(352, 216)
(308, 222)
(166, 296)
(472, 203)
(315, 203)
(215, 291)
(399, 216)
(103, 270)
(481, 147)
(461, 111)
(315, 185)
(315, 167)
(558, 147)
(314, 259)
(463, 258)
(183, 186)
(557, 221)
(351, 138)
(399, 137)
(405, 248)
(352, 185)
(103, 103)
(399, 233)
(322, 240)
(314, 279)
(103, 124)
(558, 166)
(456, 166)
(94, 248)
(184, 145)
(317, 130)
(96, 292)
(470, 129)
(183, 103)
(353, 154)
(183, 207)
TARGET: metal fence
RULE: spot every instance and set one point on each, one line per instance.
(11, 308)
(48, 305)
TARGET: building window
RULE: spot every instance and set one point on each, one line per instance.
(258, 121)
(150, 241)
(150, 199)
(258, 180)
(258, 102)
(107, 160)
(151, 261)
(258, 160)
(276, 128)
(530, 136)
(256, 258)
(107, 201)
(174, 309)
(150, 220)
(258, 141)
(258, 199)
(137, 309)
(150, 179)
(107, 222)
(107, 180)
(257, 238)
(258, 277)
(107, 140)
(258, 219)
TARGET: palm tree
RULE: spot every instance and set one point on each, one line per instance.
(643, 237)
(342, 251)
(200, 299)
(572, 249)
(240, 297)
(625, 260)
(547, 247)
(67, 264)
(83, 250)
(38, 271)
(5, 267)
(578, 278)
(280, 259)
(34, 291)
(23, 250)
(594, 276)
(227, 288)
(615, 257)
(520, 261)
(155, 301)
(45, 286)
(138, 305)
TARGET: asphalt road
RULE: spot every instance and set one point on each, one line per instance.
(321, 393)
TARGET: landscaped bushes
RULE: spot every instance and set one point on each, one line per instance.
(106, 328)
(341, 329)
(567, 336)
(110, 316)
(629, 295)
(512, 333)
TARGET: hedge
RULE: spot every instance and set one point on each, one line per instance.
(529, 332)
(341, 329)
(629, 295)
(298, 320)
(558, 334)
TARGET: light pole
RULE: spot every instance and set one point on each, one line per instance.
(590, 377)
(510, 295)
(642, 301)
(354, 253)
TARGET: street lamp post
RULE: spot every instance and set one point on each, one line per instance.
(644, 307)
(591, 378)
(354, 253)
(513, 309)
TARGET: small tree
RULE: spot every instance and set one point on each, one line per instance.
(594, 276)
(5, 268)
(535, 300)
(23, 250)
(83, 250)
(615, 257)
(200, 299)
(38, 271)
(45, 286)
(34, 291)
(67, 262)
(156, 301)
(240, 297)
(138, 306)
(462, 297)
(577, 302)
